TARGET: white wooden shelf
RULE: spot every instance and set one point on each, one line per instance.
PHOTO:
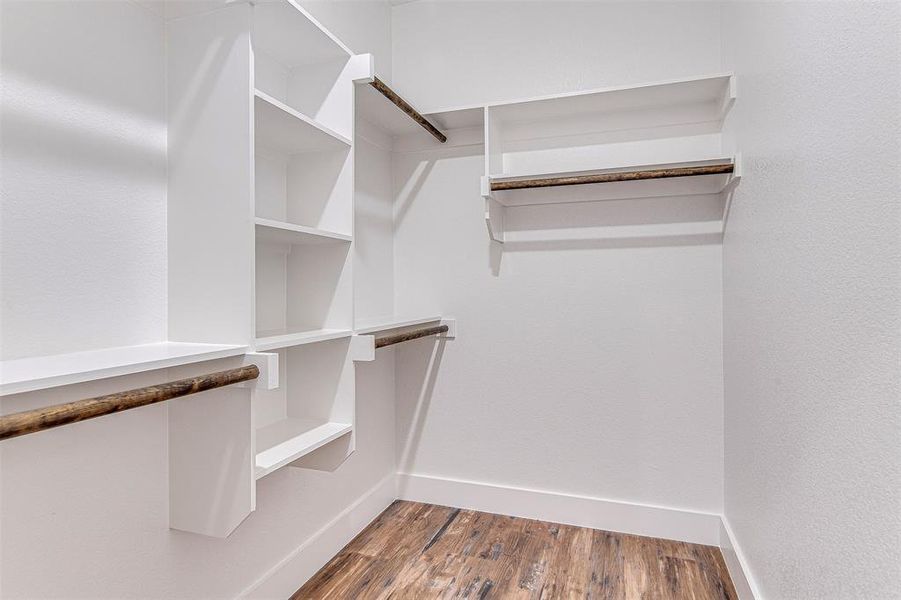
(280, 128)
(641, 188)
(691, 100)
(287, 440)
(42, 372)
(280, 232)
(285, 338)
(369, 326)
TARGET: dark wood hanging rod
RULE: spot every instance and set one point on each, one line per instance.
(404, 106)
(388, 340)
(31, 421)
(520, 184)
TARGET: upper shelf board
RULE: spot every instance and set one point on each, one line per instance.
(369, 326)
(286, 32)
(710, 97)
(279, 232)
(281, 128)
(42, 372)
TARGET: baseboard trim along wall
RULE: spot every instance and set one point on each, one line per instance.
(737, 565)
(569, 509)
(284, 579)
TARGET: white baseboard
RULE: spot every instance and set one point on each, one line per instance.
(737, 564)
(569, 509)
(286, 577)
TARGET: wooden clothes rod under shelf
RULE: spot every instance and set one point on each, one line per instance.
(388, 340)
(520, 184)
(409, 110)
(32, 421)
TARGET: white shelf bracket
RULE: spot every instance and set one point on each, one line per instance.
(361, 68)
(267, 363)
(494, 212)
(362, 348)
(451, 329)
(729, 190)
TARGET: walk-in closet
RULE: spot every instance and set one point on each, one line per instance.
(486, 299)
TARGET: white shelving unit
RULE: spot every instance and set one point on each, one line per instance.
(668, 125)
(303, 229)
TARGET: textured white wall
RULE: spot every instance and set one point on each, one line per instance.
(812, 299)
(83, 216)
(457, 52)
(592, 369)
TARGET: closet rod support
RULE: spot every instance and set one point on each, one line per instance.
(519, 184)
(32, 421)
(389, 340)
(409, 110)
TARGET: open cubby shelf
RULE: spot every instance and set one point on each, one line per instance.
(313, 405)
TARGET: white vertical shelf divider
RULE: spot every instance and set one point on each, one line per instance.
(210, 178)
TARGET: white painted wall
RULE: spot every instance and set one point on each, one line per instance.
(83, 215)
(455, 52)
(812, 299)
(591, 369)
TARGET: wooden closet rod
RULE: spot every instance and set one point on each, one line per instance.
(404, 106)
(31, 421)
(520, 184)
(388, 340)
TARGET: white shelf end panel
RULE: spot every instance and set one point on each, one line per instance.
(285, 441)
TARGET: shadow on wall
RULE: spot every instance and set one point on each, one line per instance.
(420, 361)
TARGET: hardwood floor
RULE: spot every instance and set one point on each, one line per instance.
(415, 550)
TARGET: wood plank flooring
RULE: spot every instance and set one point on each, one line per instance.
(414, 551)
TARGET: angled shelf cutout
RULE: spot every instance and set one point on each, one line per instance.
(42, 372)
(280, 232)
(280, 128)
(287, 440)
